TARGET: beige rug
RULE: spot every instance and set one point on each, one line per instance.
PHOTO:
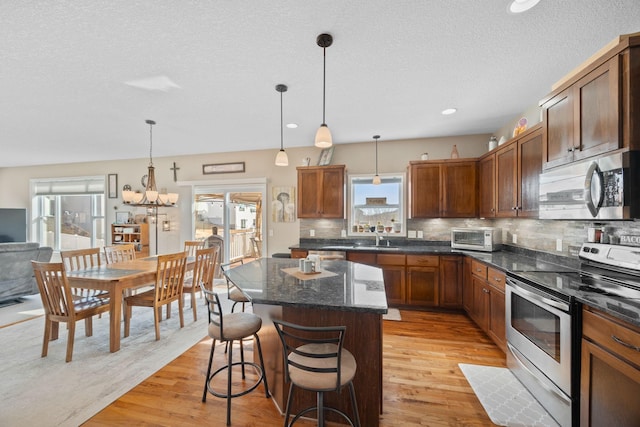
(392, 314)
(37, 391)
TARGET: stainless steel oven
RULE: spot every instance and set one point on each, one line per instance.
(540, 329)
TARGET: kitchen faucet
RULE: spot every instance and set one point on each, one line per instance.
(378, 238)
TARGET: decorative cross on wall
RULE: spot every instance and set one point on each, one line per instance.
(175, 171)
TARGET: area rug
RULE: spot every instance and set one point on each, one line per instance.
(47, 391)
(504, 398)
(29, 307)
(392, 314)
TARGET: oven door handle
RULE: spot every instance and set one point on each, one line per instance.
(550, 388)
(537, 297)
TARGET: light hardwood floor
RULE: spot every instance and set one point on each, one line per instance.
(423, 385)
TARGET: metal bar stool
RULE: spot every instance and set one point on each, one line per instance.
(315, 360)
(228, 328)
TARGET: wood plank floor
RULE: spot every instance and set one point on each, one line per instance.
(423, 385)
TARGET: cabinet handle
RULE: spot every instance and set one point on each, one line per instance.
(626, 344)
(485, 290)
(497, 279)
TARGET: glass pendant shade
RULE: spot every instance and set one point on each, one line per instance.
(376, 180)
(282, 159)
(323, 137)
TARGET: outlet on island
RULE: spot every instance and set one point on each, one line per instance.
(312, 233)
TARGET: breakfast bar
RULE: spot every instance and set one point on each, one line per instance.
(338, 293)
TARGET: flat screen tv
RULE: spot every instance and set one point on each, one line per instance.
(13, 225)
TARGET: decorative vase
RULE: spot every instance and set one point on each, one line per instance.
(454, 152)
(424, 156)
(493, 143)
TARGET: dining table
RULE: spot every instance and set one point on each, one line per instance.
(116, 278)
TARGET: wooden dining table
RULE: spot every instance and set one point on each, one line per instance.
(116, 278)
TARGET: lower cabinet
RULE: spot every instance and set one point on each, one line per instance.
(487, 305)
(394, 272)
(423, 280)
(451, 281)
(299, 253)
(610, 371)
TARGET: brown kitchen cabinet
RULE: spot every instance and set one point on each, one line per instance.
(423, 280)
(299, 253)
(517, 169)
(488, 304)
(394, 271)
(443, 189)
(610, 371)
(321, 191)
(467, 286)
(450, 281)
(487, 186)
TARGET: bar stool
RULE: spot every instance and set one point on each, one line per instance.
(228, 328)
(312, 363)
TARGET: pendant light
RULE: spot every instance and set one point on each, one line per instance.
(281, 158)
(376, 178)
(323, 135)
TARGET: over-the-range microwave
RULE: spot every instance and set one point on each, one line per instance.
(487, 239)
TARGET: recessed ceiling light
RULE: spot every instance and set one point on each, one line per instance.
(449, 111)
(519, 6)
(292, 125)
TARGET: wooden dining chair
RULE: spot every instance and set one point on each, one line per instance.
(119, 253)
(60, 305)
(167, 288)
(191, 246)
(82, 259)
(206, 263)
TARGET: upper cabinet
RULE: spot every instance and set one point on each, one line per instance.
(321, 191)
(443, 189)
(593, 111)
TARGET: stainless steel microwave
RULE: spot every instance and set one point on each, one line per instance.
(486, 239)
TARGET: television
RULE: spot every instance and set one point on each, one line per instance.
(13, 225)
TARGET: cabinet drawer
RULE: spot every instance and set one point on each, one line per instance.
(391, 259)
(298, 253)
(496, 278)
(368, 258)
(423, 260)
(609, 334)
(479, 269)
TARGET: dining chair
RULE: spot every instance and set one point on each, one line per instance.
(60, 305)
(315, 360)
(233, 292)
(119, 253)
(229, 328)
(82, 259)
(167, 288)
(191, 246)
(255, 244)
(206, 261)
(216, 241)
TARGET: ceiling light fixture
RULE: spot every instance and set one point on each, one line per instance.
(151, 197)
(376, 179)
(281, 158)
(519, 6)
(292, 125)
(448, 111)
(323, 135)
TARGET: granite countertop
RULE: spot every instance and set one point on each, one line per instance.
(340, 285)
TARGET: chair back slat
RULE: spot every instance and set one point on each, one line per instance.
(215, 310)
(57, 299)
(206, 262)
(119, 253)
(81, 259)
(191, 246)
(170, 277)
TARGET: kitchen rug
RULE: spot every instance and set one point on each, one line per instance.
(392, 314)
(504, 398)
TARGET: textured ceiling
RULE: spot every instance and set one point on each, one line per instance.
(70, 71)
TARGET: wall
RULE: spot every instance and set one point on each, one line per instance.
(359, 157)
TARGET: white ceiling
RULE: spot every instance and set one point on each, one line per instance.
(393, 67)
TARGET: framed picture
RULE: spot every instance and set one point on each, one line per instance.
(283, 204)
(325, 156)
(112, 185)
(223, 168)
(122, 217)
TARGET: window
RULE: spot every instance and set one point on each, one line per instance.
(376, 207)
(68, 213)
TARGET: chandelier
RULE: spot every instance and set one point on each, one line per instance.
(151, 197)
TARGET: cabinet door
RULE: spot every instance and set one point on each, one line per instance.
(394, 284)
(480, 310)
(368, 258)
(467, 286)
(529, 168)
(459, 190)
(332, 193)
(422, 286)
(450, 281)
(598, 111)
(496, 327)
(309, 183)
(486, 185)
(425, 190)
(299, 253)
(506, 181)
(558, 137)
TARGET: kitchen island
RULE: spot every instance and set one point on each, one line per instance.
(341, 293)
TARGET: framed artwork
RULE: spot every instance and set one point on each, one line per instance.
(112, 185)
(325, 156)
(234, 167)
(122, 217)
(283, 204)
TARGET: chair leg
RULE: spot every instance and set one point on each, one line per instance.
(157, 313)
(206, 381)
(193, 306)
(88, 326)
(47, 337)
(127, 318)
(352, 392)
(168, 310)
(55, 327)
(229, 366)
(241, 357)
(264, 372)
(72, 334)
(181, 313)
(320, 409)
(287, 412)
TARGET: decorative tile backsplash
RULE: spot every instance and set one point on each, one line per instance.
(535, 234)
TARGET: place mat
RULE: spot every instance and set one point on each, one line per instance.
(504, 398)
(295, 272)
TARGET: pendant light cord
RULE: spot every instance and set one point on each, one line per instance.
(281, 120)
(376, 156)
(324, 82)
(150, 143)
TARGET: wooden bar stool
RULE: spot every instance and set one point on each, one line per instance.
(228, 328)
(315, 360)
